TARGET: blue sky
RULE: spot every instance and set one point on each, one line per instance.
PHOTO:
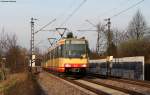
(15, 17)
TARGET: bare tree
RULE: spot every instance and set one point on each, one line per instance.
(119, 36)
(105, 37)
(7, 41)
(3, 43)
(101, 38)
(137, 26)
(15, 54)
(11, 41)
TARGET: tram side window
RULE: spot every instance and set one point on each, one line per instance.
(56, 52)
(53, 53)
(47, 56)
(60, 51)
(50, 55)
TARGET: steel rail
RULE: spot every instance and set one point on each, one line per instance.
(131, 92)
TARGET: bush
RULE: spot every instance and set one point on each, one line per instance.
(135, 48)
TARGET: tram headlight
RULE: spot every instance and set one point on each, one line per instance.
(67, 65)
(83, 65)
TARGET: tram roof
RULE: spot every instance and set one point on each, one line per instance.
(62, 41)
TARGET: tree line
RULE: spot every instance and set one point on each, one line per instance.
(16, 57)
(134, 41)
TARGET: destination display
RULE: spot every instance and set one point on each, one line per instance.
(75, 42)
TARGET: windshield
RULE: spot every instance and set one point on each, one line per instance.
(75, 50)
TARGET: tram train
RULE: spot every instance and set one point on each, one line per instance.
(68, 55)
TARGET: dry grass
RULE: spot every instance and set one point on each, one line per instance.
(11, 81)
(20, 84)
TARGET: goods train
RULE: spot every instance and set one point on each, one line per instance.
(68, 55)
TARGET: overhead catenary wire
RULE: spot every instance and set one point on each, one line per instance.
(115, 8)
(107, 12)
(62, 14)
(90, 23)
(112, 9)
(45, 26)
(41, 41)
(117, 13)
(74, 11)
(126, 9)
(108, 19)
(7, 1)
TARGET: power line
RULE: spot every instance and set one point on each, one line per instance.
(86, 30)
(107, 12)
(90, 23)
(126, 9)
(112, 9)
(115, 8)
(59, 16)
(68, 18)
(45, 26)
(7, 1)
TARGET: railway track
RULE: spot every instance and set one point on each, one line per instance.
(113, 85)
(98, 87)
(98, 92)
(131, 86)
(134, 82)
(73, 80)
(130, 92)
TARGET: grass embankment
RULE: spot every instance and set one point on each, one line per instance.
(20, 84)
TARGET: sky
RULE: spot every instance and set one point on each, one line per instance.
(15, 17)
